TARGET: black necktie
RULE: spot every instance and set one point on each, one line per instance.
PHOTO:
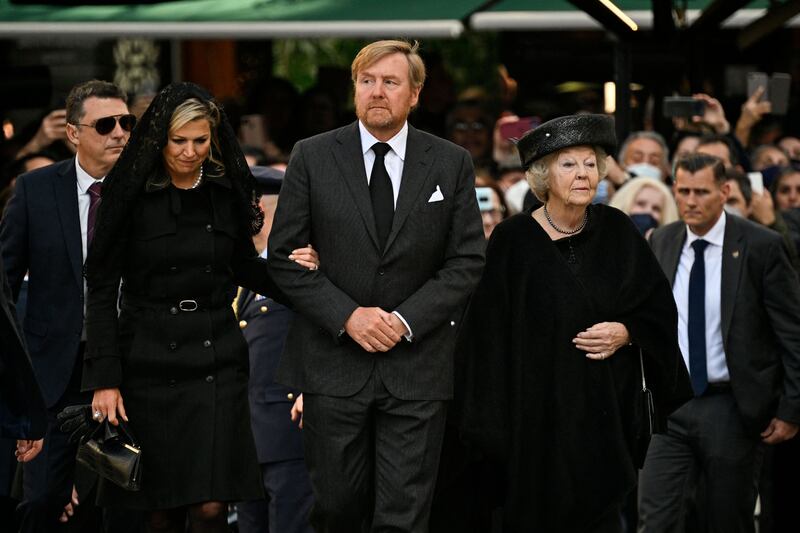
(697, 319)
(380, 190)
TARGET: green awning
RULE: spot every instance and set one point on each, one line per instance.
(243, 19)
(555, 15)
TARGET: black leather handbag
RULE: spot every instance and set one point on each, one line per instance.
(112, 453)
(643, 420)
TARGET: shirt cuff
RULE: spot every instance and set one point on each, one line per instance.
(410, 336)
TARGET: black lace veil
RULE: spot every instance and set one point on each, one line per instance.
(142, 158)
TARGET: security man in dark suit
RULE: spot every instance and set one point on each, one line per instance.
(279, 443)
(738, 301)
(23, 417)
(46, 230)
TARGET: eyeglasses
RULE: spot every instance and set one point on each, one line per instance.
(106, 125)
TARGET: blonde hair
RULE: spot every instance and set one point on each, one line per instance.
(538, 174)
(376, 51)
(626, 196)
(195, 109)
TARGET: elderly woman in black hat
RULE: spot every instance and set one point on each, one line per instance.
(549, 353)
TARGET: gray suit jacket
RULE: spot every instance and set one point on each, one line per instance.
(432, 260)
(760, 317)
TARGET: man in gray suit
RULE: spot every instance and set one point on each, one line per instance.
(392, 212)
(739, 330)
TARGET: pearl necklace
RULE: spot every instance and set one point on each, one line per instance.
(563, 231)
(198, 180)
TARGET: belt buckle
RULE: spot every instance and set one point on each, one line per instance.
(187, 305)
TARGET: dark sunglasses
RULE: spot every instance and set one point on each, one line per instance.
(106, 125)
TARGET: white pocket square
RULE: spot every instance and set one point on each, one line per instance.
(437, 196)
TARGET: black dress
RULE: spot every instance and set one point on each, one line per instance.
(182, 372)
(555, 425)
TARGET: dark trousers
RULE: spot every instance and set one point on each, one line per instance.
(287, 504)
(47, 480)
(705, 439)
(373, 460)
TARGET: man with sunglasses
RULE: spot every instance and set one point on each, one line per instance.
(46, 231)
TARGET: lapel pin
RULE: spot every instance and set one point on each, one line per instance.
(735, 254)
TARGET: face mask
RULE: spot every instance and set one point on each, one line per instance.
(735, 211)
(601, 194)
(644, 170)
(644, 222)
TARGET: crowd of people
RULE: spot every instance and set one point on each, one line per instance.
(437, 316)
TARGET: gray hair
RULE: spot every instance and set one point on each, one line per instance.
(538, 174)
(651, 135)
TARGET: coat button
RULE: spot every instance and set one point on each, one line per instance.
(206, 343)
(173, 346)
(290, 396)
(173, 269)
(452, 322)
(208, 269)
(263, 309)
(173, 311)
(209, 379)
(381, 272)
(172, 383)
(242, 324)
(209, 228)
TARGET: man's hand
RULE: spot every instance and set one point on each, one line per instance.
(297, 411)
(763, 209)
(369, 327)
(778, 431)
(28, 449)
(69, 509)
(397, 325)
(714, 114)
(753, 110)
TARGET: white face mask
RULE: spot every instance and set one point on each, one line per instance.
(735, 211)
(644, 170)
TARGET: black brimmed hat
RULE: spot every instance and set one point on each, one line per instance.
(563, 132)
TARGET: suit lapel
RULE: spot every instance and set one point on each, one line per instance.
(350, 160)
(416, 166)
(733, 254)
(66, 192)
(672, 251)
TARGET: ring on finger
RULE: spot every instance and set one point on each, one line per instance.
(97, 415)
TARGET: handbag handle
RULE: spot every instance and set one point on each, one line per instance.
(106, 431)
(641, 367)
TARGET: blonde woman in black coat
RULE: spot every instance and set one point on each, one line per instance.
(175, 225)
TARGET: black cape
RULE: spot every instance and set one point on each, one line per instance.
(555, 424)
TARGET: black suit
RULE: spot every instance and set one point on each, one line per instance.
(41, 234)
(22, 410)
(279, 442)
(432, 260)
(718, 433)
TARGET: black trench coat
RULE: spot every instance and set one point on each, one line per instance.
(182, 374)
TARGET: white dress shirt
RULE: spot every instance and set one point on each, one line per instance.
(716, 365)
(393, 160)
